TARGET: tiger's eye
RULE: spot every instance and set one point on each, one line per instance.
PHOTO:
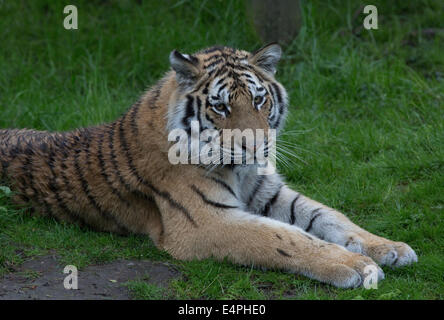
(258, 100)
(220, 107)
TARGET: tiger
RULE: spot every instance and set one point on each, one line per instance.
(117, 177)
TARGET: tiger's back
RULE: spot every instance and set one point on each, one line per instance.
(75, 176)
(106, 176)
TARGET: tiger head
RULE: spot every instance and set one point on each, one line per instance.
(225, 88)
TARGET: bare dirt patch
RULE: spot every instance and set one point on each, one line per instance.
(42, 278)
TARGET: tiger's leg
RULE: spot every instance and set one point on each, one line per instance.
(328, 224)
(202, 220)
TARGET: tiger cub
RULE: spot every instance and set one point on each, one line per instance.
(117, 177)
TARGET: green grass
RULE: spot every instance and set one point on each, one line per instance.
(142, 290)
(367, 116)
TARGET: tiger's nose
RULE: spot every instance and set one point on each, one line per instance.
(249, 146)
(254, 146)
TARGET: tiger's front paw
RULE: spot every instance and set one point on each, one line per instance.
(393, 254)
(351, 271)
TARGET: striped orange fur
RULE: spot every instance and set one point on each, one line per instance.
(116, 177)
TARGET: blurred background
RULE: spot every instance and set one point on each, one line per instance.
(365, 131)
(121, 47)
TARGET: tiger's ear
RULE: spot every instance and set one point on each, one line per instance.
(186, 67)
(267, 57)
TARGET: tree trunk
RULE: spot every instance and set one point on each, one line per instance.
(275, 20)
